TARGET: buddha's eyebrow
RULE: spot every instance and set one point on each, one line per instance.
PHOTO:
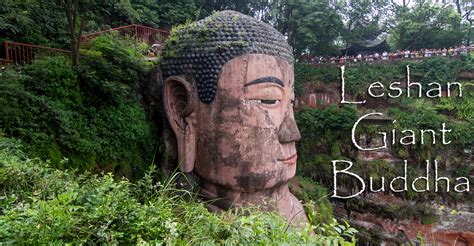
(266, 80)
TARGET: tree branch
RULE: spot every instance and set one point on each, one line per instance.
(75, 10)
(67, 9)
(84, 19)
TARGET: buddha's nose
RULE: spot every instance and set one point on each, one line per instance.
(288, 131)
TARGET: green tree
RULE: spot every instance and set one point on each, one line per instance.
(363, 21)
(312, 27)
(249, 7)
(465, 9)
(110, 14)
(37, 22)
(425, 26)
(158, 14)
(173, 12)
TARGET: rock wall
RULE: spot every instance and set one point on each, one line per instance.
(378, 222)
(319, 95)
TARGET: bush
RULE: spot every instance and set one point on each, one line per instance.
(36, 22)
(112, 71)
(53, 78)
(45, 205)
(319, 127)
(315, 198)
(90, 114)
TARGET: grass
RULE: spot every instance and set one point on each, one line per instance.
(40, 204)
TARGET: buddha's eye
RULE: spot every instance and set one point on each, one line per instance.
(267, 95)
(269, 101)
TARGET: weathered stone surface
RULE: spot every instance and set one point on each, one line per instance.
(232, 114)
(320, 95)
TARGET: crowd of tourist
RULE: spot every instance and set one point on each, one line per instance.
(387, 56)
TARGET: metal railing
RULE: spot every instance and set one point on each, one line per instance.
(140, 33)
(20, 53)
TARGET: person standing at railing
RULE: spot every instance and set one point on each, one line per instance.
(444, 52)
(342, 60)
(376, 56)
(463, 50)
(419, 54)
(322, 59)
(455, 51)
(450, 51)
(406, 54)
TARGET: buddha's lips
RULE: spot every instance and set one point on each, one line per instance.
(289, 160)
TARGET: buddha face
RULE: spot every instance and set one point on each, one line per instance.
(245, 139)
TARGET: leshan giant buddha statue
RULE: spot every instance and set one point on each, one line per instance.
(228, 97)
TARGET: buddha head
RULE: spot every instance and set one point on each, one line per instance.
(228, 97)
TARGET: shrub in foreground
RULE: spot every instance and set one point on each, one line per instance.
(40, 204)
(91, 114)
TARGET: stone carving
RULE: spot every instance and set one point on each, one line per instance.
(203, 47)
(228, 96)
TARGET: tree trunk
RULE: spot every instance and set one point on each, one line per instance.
(73, 9)
(75, 54)
(469, 33)
(458, 6)
(405, 3)
(290, 26)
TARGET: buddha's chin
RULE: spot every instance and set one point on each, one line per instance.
(247, 184)
(277, 198)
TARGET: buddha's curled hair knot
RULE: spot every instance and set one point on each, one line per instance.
(201, 49)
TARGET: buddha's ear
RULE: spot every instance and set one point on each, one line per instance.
(179, 98)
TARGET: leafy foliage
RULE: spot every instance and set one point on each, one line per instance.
(112, 71)
(426, 26)
(99, 125)
(324, 137)
(44, 205)
(437, 69)
(36, 22)
(423, 114)
(175, 12)
(315, 198)
(363, 21)
(358, 76)
(311, 26)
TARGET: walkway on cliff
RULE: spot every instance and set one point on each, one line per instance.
(15, 53)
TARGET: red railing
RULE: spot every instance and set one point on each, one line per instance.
(140, 33)
(14, 53)
(19, 53)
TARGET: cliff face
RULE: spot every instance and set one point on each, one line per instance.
(386, 217)
(453, 225)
